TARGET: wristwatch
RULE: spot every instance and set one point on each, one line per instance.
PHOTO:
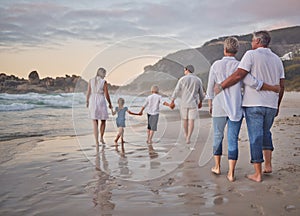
(220, 87)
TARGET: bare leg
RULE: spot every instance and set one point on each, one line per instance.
(185, 127)
(217, 168)
(268, 161)
(102, 130)
(116, 140)
(230, 175)
(148, 134)
(151, 133)
(190, 130)
(96, 135)
(121, 132)
(257, 176)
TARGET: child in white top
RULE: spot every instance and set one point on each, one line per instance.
(152, 102)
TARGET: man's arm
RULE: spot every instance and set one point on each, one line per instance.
(175, 94)
(274, 88)
(259, 85)
(234, 78)
(280, 94)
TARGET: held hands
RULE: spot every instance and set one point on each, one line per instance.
(172, 105)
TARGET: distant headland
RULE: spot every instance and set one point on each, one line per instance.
(12, 84)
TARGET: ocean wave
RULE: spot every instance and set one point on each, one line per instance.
(16, 107)
(19, 102)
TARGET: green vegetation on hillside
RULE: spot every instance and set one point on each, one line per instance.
(292, 74)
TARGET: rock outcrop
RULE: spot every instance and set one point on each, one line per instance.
(12, 84)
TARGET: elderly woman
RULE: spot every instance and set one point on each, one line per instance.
(95, 101)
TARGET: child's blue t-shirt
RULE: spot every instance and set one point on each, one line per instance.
(120, 120)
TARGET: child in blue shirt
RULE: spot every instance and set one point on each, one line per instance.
(120, 120)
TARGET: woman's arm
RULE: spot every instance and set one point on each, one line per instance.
(107, 94)
(88, 94)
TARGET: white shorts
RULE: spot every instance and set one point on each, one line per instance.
(189, 113)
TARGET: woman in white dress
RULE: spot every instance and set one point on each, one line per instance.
(95, 101)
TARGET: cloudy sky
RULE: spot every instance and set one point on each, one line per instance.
(61, 37)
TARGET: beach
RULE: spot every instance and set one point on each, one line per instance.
(68, 175)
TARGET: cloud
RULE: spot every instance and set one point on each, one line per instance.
(35, 23)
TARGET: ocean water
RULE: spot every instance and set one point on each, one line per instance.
(39, 116)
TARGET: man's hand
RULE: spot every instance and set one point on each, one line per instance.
(277, 88)
(200, 105)
(172, 105)
(217, 88)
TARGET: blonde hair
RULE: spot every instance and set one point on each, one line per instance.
(154, 89)
(231, 45)
(121, 101)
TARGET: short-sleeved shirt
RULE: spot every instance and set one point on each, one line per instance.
(152, 103)
(263, 64)
(120, 120)
(189, 88)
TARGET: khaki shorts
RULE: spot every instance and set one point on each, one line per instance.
(189, 113)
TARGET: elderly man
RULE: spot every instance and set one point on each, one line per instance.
(261, 107)
(190, 88)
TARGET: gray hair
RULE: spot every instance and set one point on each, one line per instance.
(101, 72)
(263, 36)
(231, 45)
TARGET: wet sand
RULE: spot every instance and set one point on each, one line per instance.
(67, 176)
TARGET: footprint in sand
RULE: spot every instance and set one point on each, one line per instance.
(258, 208)
(275, 189)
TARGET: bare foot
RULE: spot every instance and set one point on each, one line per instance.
(149, 142)
(230, 178)
(216, 170)
(188, 141)
(267, 170)
(116, 142)
(254, 177)
(102, 141)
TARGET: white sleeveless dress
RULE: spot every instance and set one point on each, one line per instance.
(97, 101)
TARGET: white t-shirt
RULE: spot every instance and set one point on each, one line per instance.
(152, 102)
(263, 64)
(189, 88)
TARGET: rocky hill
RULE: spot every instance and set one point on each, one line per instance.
(166, 71)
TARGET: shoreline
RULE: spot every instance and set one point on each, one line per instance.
(65, 175)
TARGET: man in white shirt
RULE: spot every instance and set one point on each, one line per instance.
(189, 88)
(261, 107)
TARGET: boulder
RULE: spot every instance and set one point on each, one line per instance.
(34, 78)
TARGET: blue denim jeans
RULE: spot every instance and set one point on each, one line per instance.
(259, 122)
(233, 130)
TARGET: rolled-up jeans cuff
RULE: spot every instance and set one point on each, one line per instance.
(257, 161)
